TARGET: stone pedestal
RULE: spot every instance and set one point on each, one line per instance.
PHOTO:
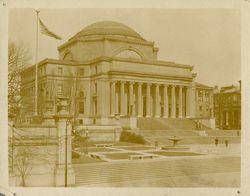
(60, 176)
(48, 118)
(64, 129)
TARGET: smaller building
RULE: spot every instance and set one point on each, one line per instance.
(204, 101)
(227, 107)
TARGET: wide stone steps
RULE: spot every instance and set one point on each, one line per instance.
(118, 172)
(165, 124)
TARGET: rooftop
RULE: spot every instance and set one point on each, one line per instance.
(108, 28)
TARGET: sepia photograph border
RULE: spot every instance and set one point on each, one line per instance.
(243, 5)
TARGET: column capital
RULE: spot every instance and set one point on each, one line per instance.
(149, 84)
(123, 82)
(180, 86)
(157, 84)
(139, 83)
(131, 82)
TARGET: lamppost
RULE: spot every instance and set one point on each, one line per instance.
(66, 153)
(66, 149)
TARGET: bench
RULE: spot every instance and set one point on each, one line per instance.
(104, 145)
(141, 156)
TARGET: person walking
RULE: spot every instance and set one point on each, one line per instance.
(226, 143)
(216, 141)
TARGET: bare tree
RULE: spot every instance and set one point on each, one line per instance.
(18, 57)
(24, 163)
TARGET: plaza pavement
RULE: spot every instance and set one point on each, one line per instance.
(219, 167)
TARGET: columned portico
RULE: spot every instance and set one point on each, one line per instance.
(139, 100)
(180, 102)
(122, 100)
(157, 101)
(113, 86)
(173, 102)
(148, 99)
(165, 93)
(177, 101)
(131, 99)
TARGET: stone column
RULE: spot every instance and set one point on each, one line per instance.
(148, 109)
(180, 102)
(63, 123)
(165, 115)
(139, 101)
(122, 98)
(157, 101)
(173, 102)
(131, 99)
(191, 102)
(112, 111)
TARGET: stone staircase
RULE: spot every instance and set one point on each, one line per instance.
(107, 174)
(165, 124)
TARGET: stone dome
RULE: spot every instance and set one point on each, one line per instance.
(108, 28)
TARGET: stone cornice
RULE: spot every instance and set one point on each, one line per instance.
(108, 59)
(103, 38)
(139, 74)
(154, 62)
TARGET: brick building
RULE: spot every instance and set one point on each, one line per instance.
(227, 107)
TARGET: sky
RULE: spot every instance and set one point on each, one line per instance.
(208, 39)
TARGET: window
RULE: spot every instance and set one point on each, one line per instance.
(200, 95)
(59, 89)
(129, 54)
(44, 70)
(60, 70)
(81, 72)
(200, 108)
(81, 107)
(235, 98)
(81, 94)
(80, 121)
(207, 95)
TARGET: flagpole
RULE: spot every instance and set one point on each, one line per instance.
(36, 75)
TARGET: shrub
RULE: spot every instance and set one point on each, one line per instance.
(75, 155)
(127, 136)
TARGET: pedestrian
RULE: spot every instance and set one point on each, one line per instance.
(156, 144)
(216, 141)
(226, 143)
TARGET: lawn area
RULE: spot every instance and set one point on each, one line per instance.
(120, 155)
(86, 159)
(172, 154)
(100, 149)
(90, 143)
(137, 148)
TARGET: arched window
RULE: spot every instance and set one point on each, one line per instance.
(129, 54)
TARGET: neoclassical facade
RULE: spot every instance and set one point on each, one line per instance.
(109, 69)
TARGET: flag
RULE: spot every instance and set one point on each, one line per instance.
(46, 31)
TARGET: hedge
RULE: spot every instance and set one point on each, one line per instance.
(127, 136)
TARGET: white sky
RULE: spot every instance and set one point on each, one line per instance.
(208, 39)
